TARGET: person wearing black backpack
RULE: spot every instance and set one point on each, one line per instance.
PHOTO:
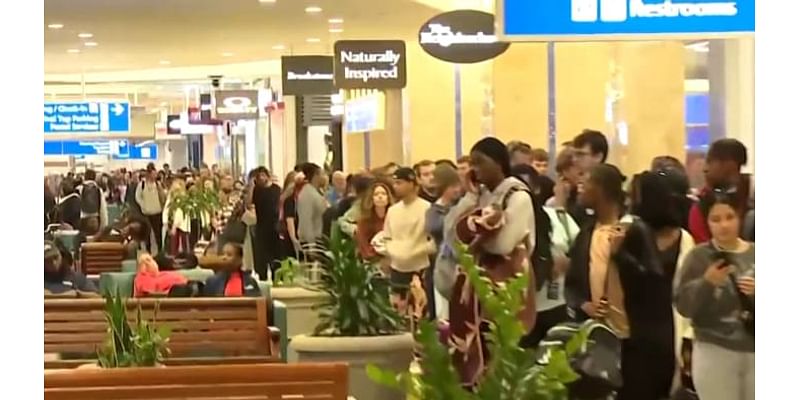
(94, 212)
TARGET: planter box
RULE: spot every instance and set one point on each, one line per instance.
(389, 352)
(300, 318)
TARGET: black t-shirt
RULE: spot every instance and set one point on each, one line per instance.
(266, 200)
(289, 211)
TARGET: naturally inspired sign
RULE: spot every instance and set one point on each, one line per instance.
(369, 64)
(462, 36)
(569, 20)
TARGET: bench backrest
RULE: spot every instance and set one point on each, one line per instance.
(99, 257)
(256, 381)
(210, 327)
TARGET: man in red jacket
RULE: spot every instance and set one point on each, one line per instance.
(724, 163)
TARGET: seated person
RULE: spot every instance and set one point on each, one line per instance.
(231, 280)
(59, 277)
(149, 281)
(133, 232)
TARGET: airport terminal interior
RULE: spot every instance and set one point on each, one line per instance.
(399, 199)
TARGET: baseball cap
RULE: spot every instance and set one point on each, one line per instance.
(405, 174)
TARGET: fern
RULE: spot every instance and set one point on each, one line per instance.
(141, 344)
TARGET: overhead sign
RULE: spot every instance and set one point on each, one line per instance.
(234, 105)
(364, 114)
(174, 124)
(369, 64)
(573, 20)
(461, 36)
(307, 75)
(140, 152)
(87, 117)
(116, 147)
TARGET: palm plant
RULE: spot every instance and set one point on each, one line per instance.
(357, 296)
(513, 373)
(140, 344)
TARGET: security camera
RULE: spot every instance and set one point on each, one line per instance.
(215, 79)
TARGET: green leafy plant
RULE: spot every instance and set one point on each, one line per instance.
(513, 373)
(289, 273)
(357, 301)
(137, 344)
(196, 203)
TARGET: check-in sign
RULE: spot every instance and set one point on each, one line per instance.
(234, 105)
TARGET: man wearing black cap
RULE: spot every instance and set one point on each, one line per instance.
(407, 244)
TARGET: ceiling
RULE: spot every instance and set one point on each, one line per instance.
(145, 34)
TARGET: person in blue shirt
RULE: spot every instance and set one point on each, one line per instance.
(338, 188)
(59, 277)
(232, 281)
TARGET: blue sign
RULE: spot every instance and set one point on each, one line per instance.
(585, 20)
(116, 148)
(363, 114)
(140, 152)
(87, 117)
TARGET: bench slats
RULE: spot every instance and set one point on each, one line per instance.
(258, 381)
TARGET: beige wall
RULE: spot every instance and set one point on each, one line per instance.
(520, 94)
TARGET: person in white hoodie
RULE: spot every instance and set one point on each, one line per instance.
(150, 197)
(178, 224)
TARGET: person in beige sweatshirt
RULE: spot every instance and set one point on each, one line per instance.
(408, 245)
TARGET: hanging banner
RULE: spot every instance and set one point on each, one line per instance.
(587, 20)
(462, 37)
(369, 64)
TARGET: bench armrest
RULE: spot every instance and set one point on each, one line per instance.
(280, 322)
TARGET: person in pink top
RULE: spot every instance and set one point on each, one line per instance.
(149, 281)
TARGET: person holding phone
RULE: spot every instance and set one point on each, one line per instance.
(716, 291)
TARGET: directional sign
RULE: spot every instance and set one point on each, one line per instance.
(140, 152)
(117, 148)
(571, 20)
(87, 117)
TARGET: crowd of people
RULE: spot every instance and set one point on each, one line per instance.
(669, 269)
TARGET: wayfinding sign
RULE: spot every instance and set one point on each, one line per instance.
(116, 148)
(87, 117)
(585, 20)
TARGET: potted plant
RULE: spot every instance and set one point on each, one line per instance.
(290, 285)
(357, 322)
(513, 373)
(137, 344)
(197, 203)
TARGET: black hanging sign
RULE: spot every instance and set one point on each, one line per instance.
(369, 64)
(461, 37)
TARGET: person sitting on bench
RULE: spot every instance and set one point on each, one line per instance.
(232, 281)
(59, 277)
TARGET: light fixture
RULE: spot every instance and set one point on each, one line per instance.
(336, 21)
(700, 47)
(55, 26)
(73, 51)
(85, 35)
(278, 47)
(313, 9)
(164, 62)
(227, 54)
(313, 40)
(336, 30)
(90, 44)
(267, 1)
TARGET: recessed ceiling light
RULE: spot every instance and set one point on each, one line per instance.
(227, 54)
(164, 62)
(312, 40)
(55, 26)
(267, 1)
(313, 9)
(73, 51)
(336, 30)
(336, 21)
(85, 35)
(90, 44)
(278, 47)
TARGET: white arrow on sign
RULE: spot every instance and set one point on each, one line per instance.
(118, 109)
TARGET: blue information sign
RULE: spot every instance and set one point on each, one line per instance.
(87, 117)
(584, 20)
(140, 152)
(116, 148)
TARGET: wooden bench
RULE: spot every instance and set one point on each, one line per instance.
(204, 330)
(99, 257)
(242, 382)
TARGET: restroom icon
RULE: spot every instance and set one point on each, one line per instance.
(602, 10)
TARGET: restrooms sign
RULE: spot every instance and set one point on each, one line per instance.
(369, 64)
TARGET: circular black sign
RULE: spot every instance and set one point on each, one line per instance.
(462, 37)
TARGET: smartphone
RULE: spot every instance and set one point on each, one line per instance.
(724, 257)
(472, 177)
